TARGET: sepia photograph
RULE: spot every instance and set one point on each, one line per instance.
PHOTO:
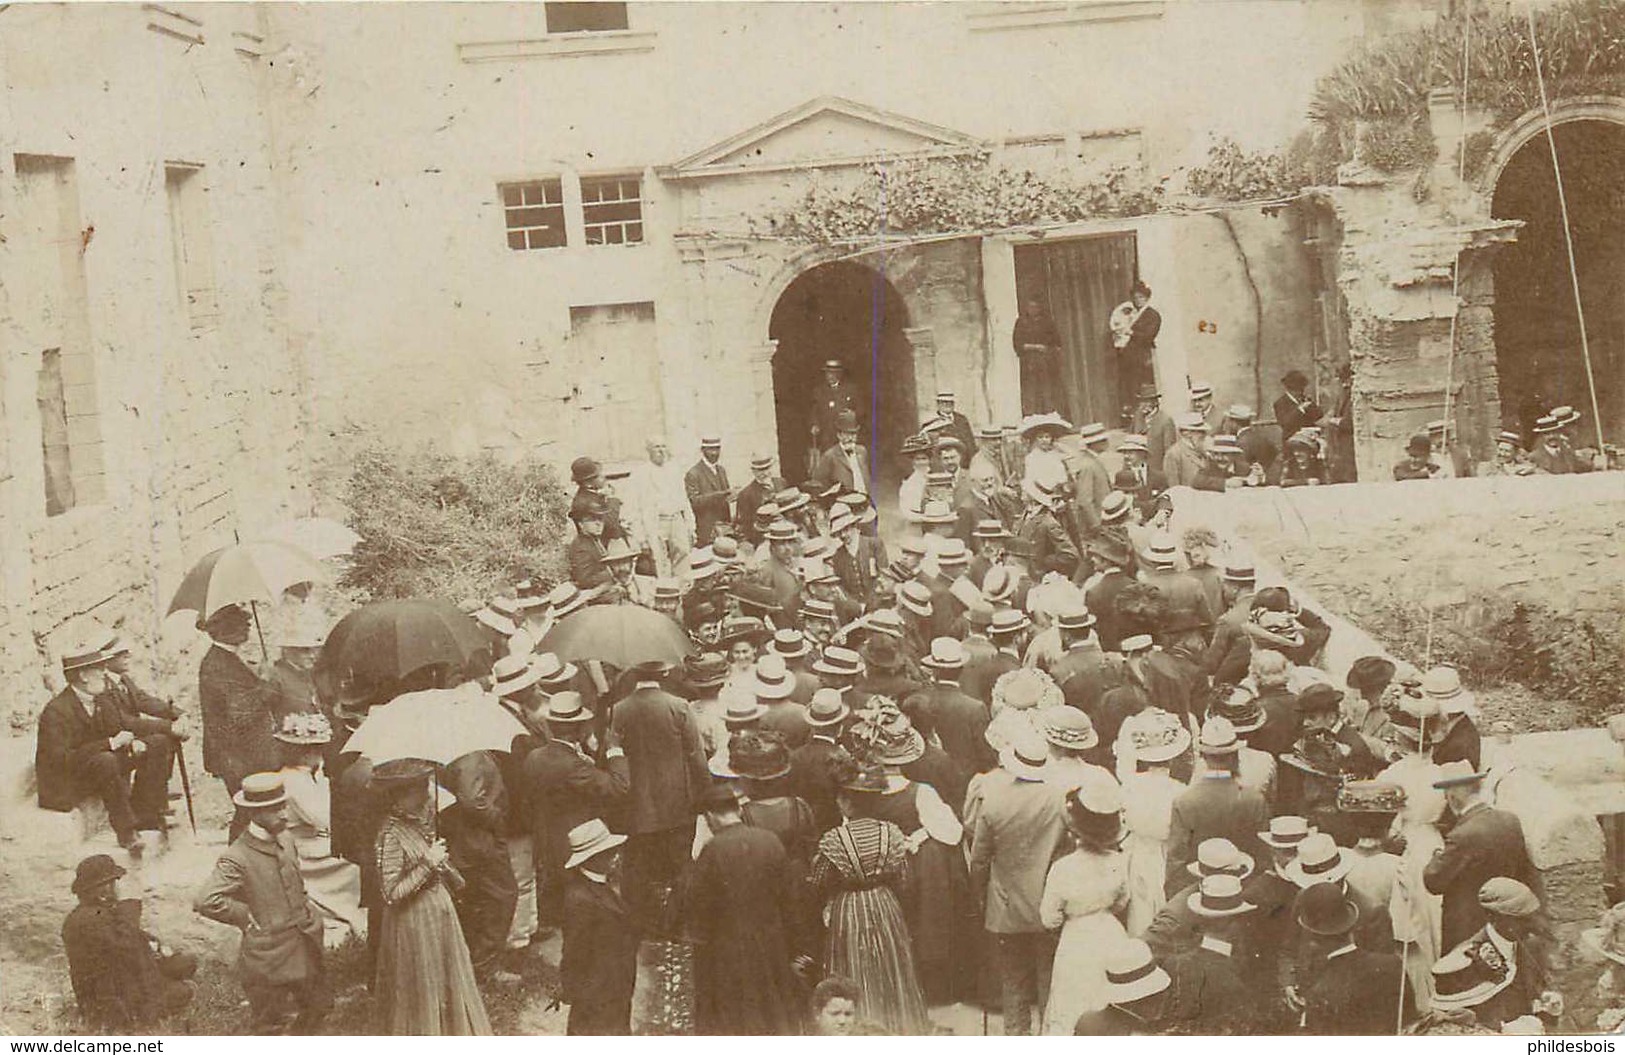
(862, 518)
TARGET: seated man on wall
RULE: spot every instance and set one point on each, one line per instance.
(87, 748)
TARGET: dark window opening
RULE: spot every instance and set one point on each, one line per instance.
(585, 17)
(612, 210)
(534, 214)
(53, 424)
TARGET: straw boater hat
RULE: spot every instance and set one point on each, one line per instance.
(1155, 735)
(816, 572)
(1026, 757)
(1092, 434)
(1067, 727)
(1319, 860)
(838, 661)
(552, 673)
(1075, 620)
(1191, 422)
(790, 499)
(1201, 390)
(1458, 773)
(1218, 737)
(826, 709)
(990, 529)
(1509, 437)
(814, 609)
(772, 679)
(780, 531)
(916, 444)
(1133, 442)
(952, 552)
(514, 674)
(1161, 553)
(1220, 857)
(304, 729)
(1219, 897)
(740, 706)
(915, 597)
(1546, 423)
(790, 643)
(766, 513)
(989, 432)
(1239, 412)
(567, 598)
(1006, 620)
(261, 790)
(1045, 492)
(1115, 506)
(588, 840)
(1565, 416)
(1224, 444)
(1286, 833)
(842, 520)
(618, 552)
(566, 708)
(1132, 973)
(937, 512)
(999, 584)
(88, 651)
(1240, 572)
(1136, 643)
(947, 656)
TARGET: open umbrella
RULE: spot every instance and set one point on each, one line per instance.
(318, 536)
(387, 640)
(436, 725)
(622, 635)
(245, 573)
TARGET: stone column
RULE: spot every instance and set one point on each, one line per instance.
(923, 343)
(759, 430)
(1002, 378)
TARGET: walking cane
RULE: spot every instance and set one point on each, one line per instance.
(186, 787)
(1404, 966)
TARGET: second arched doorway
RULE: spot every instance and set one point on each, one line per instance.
(1537, 332)
(852, 313)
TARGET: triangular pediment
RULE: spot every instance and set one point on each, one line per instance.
(824, 131)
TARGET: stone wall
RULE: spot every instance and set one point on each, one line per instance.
(187, 387)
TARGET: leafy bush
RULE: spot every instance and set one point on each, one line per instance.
(1397, 145)
(1476, 153)
(436, 525)
(1496, 640)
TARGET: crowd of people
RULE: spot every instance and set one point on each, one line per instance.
(1034, 752)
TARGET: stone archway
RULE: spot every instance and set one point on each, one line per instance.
(847, 311)
(1537, 334)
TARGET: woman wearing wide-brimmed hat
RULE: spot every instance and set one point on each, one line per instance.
(859, 871)
(1148, 744)
(332, 883)
(937, 903)
(425, 980)
(1083, 895)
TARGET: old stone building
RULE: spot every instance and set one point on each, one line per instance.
(234, 231)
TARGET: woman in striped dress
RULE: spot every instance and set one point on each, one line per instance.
(425, 982)
(858, 870)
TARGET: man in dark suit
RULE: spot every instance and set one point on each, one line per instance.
(975, 679)
(598, 967)
(124, 979)
(1296, 408)
(668, 774)
(1153, 426)
(762, 487)
(86, 748)
(832, 398)
(563, 787)
(845, 462)
(1215, 806)
(859, 560)
(708, 492)
(1041, 528)
(591, 488)
(779, 573)
(984, 501)
(950, 422)
(1136, 366)
(1084, 672)
(1348, 990)
(1483, 843)
(1215, 985)
(235, 704)
(959, 721)
(810, 776)
(587, 549)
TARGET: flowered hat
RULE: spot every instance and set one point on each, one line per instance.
(306, 729)
(883, 735)
(1155, 735)
(1025, 688)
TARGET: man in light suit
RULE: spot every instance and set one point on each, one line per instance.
(1017, 826)
(708, 492)
(846, 463)
(667, 769)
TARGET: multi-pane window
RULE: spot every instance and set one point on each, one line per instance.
(534, 213)
(584, 17)
(612, 210)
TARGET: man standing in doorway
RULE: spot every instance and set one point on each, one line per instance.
(832, 398)
(845, 463)
(1296, 408)
(1038, 348)
(708, 491)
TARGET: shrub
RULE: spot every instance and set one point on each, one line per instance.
(1397, 145)
(432, 524)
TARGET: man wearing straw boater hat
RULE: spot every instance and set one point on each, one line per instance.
(1215, 982)
(1484, 842)
(256, 887)
(774, 685)
(564, 787)
(599, 963)
(1173, 929)
(86, 747)
(1215, 805)
(708, 492)
(810, 777)
(943, 710)
(235, 704)
(1019, 828)
(1138, 993)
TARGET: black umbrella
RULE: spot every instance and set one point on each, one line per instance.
(622, 635)
(387, 640)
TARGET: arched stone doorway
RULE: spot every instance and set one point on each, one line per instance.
(1537, 333)
(847, 311)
